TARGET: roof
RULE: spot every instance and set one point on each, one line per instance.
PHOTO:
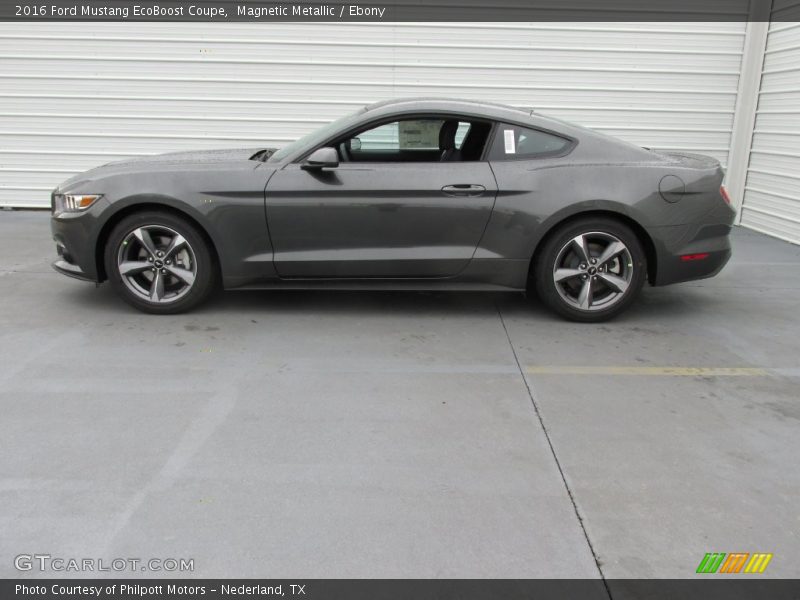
(477, 107)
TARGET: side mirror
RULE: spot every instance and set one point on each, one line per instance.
(322, 158)
(355, 144)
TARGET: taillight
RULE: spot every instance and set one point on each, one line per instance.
(724, 193)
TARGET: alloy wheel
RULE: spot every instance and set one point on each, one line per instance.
(157, 263)
(593, 271)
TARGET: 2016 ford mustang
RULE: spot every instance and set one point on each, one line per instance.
(406, 194)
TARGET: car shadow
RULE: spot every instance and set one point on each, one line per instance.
(664, 304)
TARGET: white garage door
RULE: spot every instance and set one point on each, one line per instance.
(772, 193)
(75, 95)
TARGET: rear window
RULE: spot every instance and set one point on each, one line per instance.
(512, 142)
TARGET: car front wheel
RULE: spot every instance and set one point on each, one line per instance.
(159, 263)
(590, 270)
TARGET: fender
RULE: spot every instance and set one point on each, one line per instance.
(136, 202)
(607, 206)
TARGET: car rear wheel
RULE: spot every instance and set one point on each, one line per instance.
(590, 270)
(159, 263)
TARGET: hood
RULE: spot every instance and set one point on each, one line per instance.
(194, 156)
(161, 161)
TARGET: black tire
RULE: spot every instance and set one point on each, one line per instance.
(196, 255)
(564, 297)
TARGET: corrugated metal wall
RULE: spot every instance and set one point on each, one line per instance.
(75, 95)
(772, 193)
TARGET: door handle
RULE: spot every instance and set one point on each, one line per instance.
(463, 189)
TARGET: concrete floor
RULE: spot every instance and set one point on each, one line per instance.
(322, 434)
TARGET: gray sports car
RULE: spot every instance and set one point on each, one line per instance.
(407, 194)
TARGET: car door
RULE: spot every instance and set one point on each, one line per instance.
(401, 219)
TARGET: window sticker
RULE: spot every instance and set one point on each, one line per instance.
(420, 134)
(508, 137)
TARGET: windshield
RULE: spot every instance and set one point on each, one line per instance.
(315, 137)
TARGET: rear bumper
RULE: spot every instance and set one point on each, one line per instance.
(675, 269)
(705, 255)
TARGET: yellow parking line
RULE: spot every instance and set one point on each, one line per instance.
(672, 371)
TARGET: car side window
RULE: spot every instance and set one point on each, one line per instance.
(512, 142)
(413, 134)
(423, 139)
(385, 137)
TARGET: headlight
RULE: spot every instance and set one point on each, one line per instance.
(65, 203)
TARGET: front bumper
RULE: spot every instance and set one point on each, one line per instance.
(75, 235)
(70, 270)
